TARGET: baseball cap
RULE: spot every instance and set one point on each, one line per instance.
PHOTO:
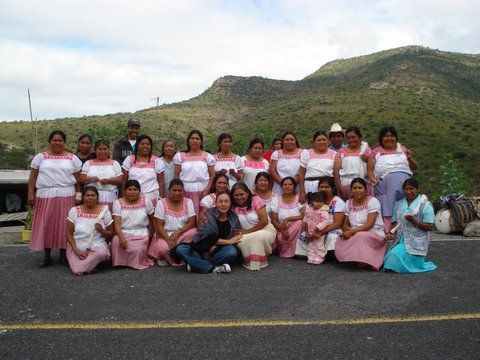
(133, 121)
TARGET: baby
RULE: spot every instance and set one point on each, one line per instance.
(316, 218)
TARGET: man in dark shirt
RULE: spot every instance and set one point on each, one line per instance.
(125, 146)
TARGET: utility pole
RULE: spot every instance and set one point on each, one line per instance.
(34, 131)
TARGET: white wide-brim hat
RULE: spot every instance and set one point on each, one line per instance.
(335, 128)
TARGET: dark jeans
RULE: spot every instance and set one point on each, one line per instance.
(198, 263)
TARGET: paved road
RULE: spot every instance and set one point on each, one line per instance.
(289, 310)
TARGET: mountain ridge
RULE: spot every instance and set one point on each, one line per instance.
(431, 96)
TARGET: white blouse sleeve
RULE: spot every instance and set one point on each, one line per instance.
(267, 165)
(107, 219)
(159, 211)
(274, 155)
(347, 210)
(190, 208)
(77, 163)
(116, 168)
(340, 206)
(274, 205)
(86, 167)
(177, 159)
(373, 206)
(35, 164)
(72, 215)
(159, 166)
(126, 163)
(117, 209)
(304, 157)
(210, 160)
(206, 202)
(238, 163)
(149, 206)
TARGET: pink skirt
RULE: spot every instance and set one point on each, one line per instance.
(160, 250)
(196, 197)
(286, 248)
(49, 229)
(363, 247)
(95, 256)
(134, 256)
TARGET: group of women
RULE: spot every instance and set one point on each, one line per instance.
(201, 210)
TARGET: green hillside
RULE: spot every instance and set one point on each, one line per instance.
(431, 96)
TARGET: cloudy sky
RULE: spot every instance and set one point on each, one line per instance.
(97, 57)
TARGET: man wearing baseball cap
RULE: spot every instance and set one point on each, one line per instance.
(125, 146)
(336, 136)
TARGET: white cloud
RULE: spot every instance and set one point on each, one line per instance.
(109, 56)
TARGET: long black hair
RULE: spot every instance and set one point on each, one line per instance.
(215, 179)
(384, 131)
(199, 133)
(244, 187)
(290, 133)
(139, 140)
(57, 132)
(222, 137)
(331, 183)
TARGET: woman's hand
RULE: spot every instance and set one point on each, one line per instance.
(411, 219)
(172, 240)
(82, 255)
(318, 233)
(235, 240)
(213, 249)
(31, 199)
(222, 171)
(123, 243)
(373, 181)
(205, 192)
(285, 234)
(202, 218)
(348, 234)
(389, 236)
(238, 232)
(99, 228)
(309, 236)
(364, 157)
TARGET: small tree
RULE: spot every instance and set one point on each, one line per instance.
(452, 179)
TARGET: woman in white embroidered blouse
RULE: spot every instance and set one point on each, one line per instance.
(132, 215)
(389, 165)
(363, 240)
(146, 168)
(287, 216)
(174, 223)
(351, 161)
(285, 162)
(253, 163)
(51, 190)
(315, 163)
(258, 233)
(195, 168)
(226, 162)
(103, 173)
(88, 227)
